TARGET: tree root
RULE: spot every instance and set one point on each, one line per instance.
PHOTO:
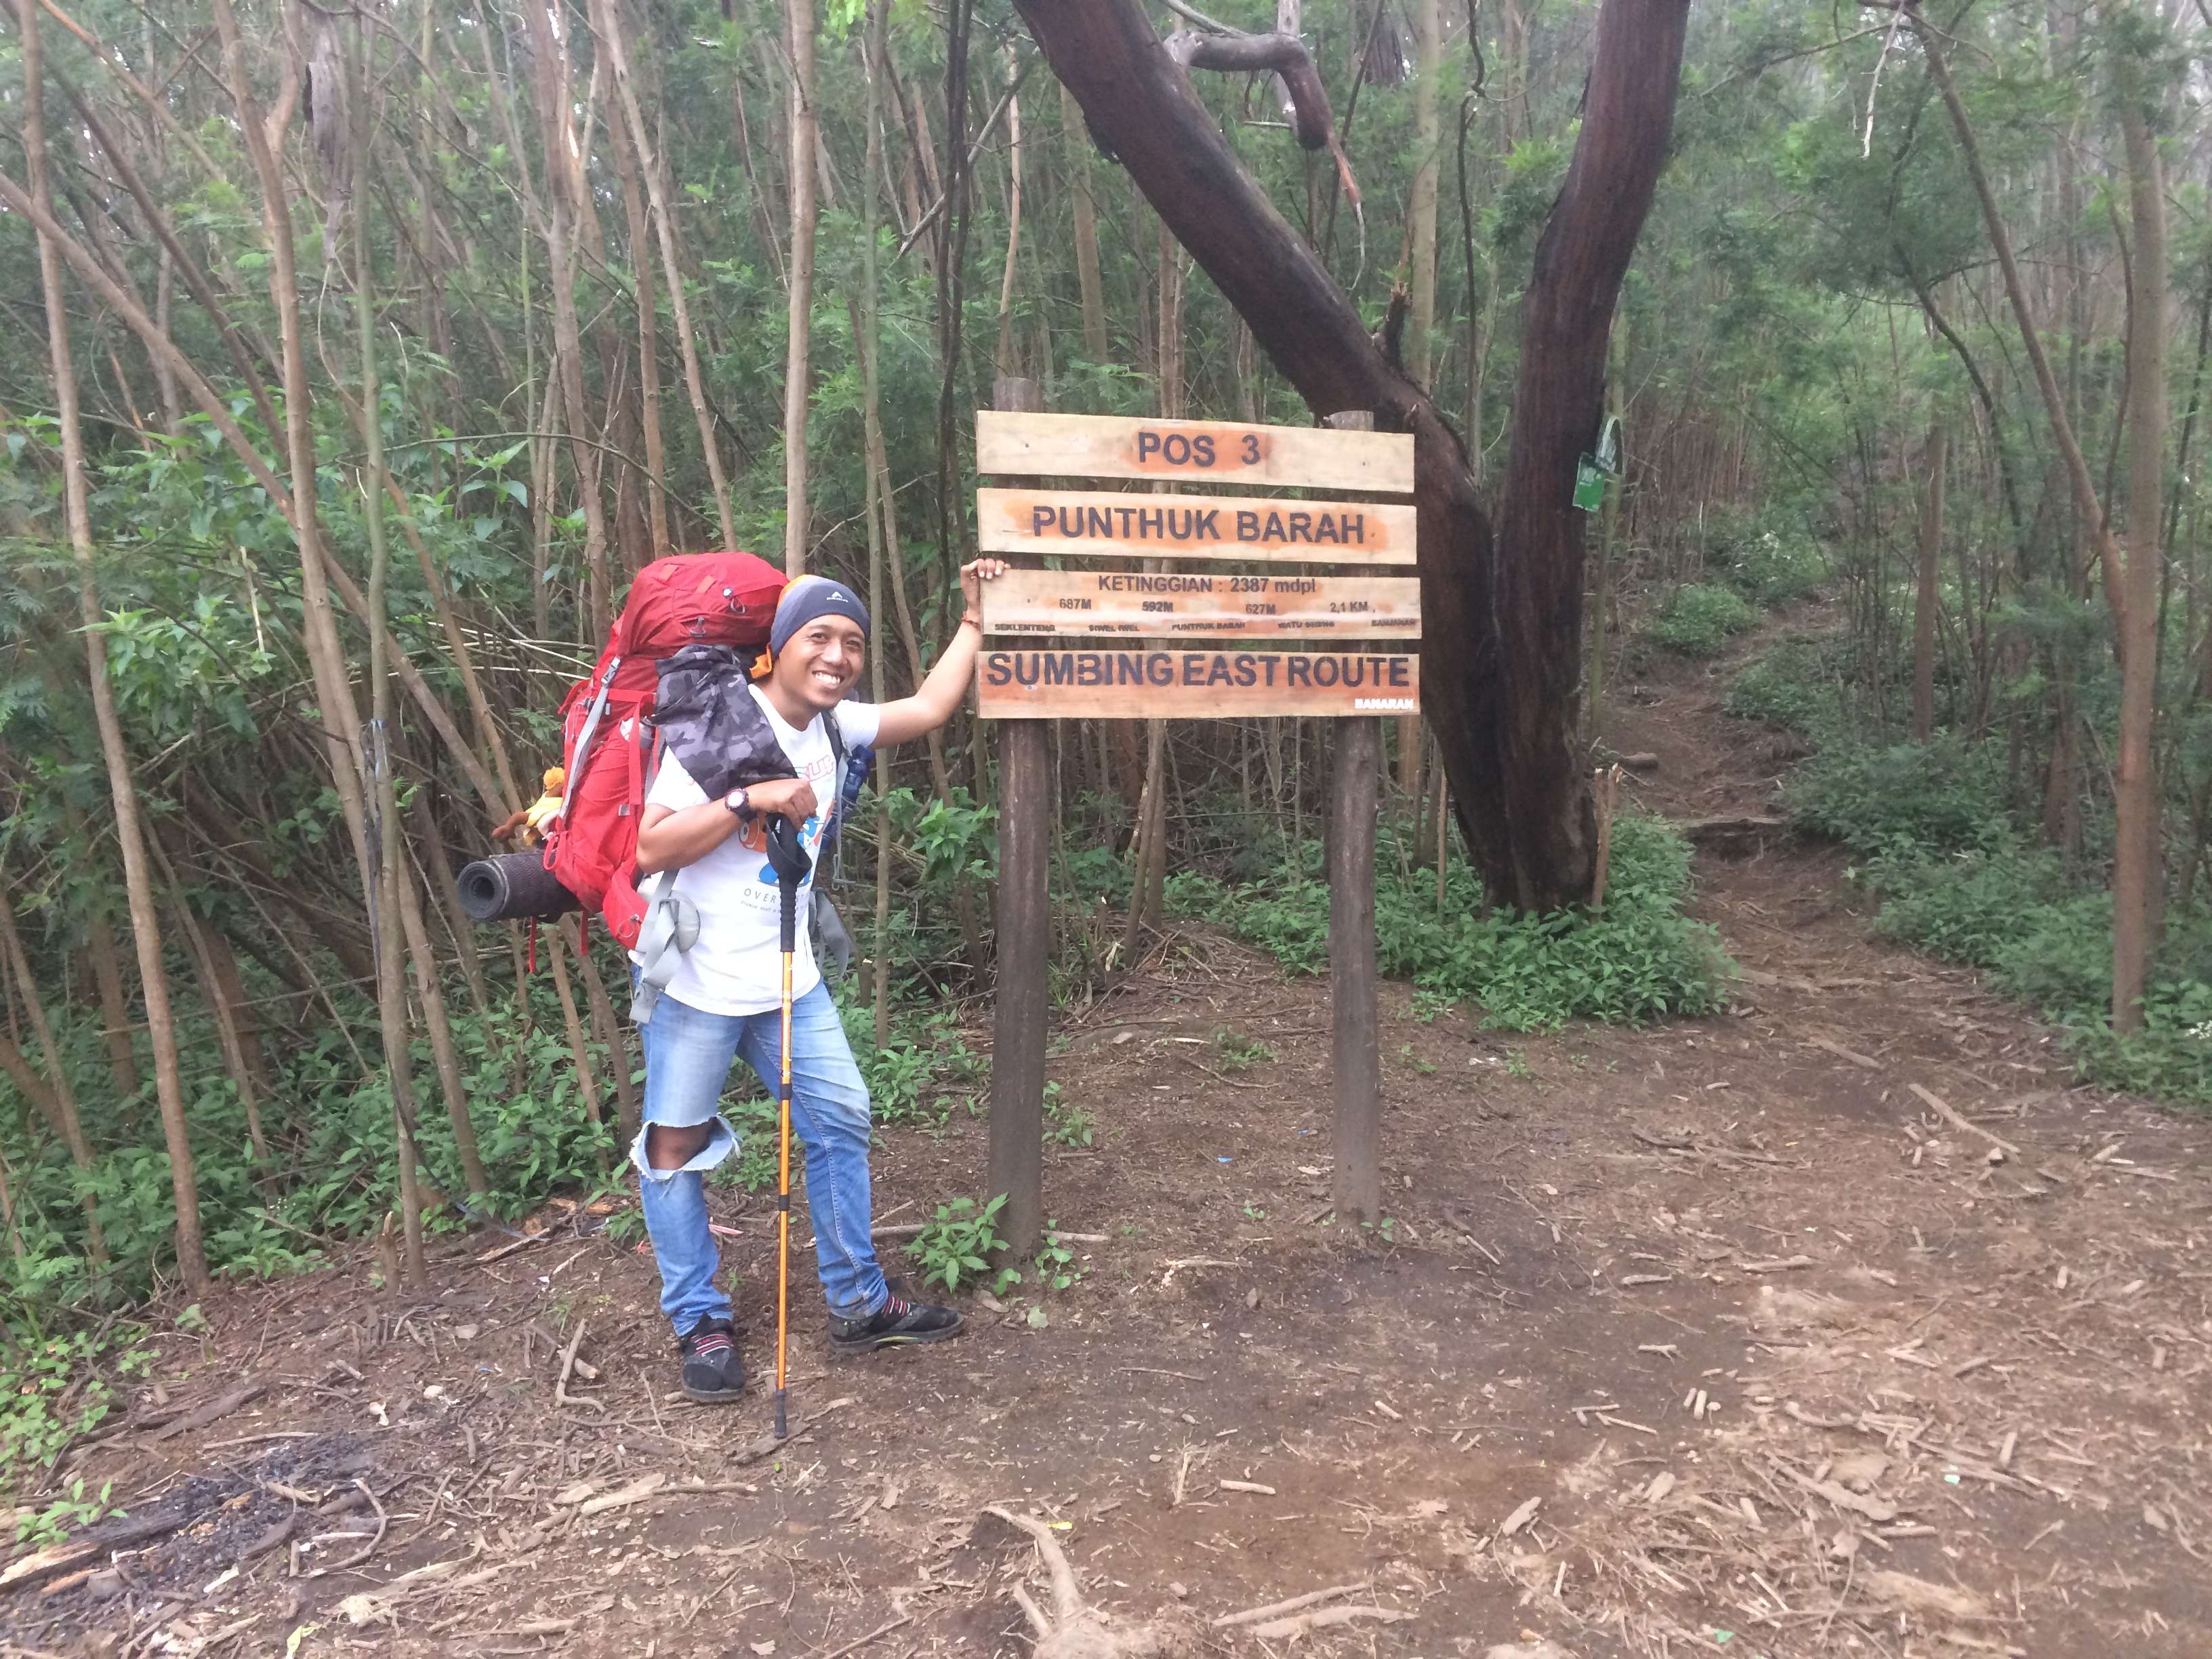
(1074, 1630)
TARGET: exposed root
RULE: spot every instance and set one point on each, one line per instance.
(1074, 1630)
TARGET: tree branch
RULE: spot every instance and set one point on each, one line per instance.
(1278, 54)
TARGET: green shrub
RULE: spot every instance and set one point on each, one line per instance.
(2014, 913)
(955, 1249)
(1933, 798)
(2170, 1057)
(1700, 619)
(1789, 686)
(1971, 908)
(1639, 959)
(1775, 566)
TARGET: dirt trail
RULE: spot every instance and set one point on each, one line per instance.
(1788, 1362)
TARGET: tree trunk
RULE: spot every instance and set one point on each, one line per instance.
(2135, 876)
(1499, 681)
(1421, 280)
(550, 86)
(387, 868)
(1088, 283)
(609, 34)
(648, 344)
(1925, 603)
(145, 925)
(114, 1007)
(1005, 359)
(800, 17)
(58, 1101)
(865, 336)
(445, 1055)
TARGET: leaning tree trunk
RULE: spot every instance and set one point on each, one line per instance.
(1502, 636)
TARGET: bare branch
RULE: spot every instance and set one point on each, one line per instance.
(1280, 54)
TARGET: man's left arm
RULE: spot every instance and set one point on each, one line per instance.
(939, 693)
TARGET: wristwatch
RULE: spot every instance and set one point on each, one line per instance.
(737, 803)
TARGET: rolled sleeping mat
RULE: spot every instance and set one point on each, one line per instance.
(513, 887)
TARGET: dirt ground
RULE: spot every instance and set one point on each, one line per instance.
(1722, 1337)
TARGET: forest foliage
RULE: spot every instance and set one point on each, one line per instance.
(466, 345)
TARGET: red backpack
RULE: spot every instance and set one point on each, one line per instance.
(691, 598)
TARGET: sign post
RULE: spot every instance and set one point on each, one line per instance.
(1355, 1044)
(1208, 628)
(1024, 942)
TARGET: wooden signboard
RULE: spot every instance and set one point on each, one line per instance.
(1124, 602)
(1137, 683)
(1252, 544)
(1258, 528)
(1198, 452)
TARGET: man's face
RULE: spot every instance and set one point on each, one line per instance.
(821, 661)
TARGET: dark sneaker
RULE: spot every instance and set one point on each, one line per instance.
(895, 1324)
(712, 1371)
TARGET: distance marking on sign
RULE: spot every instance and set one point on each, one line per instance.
(1167, 684)
(1202, 452)
(1260, 529)
(1136, 603)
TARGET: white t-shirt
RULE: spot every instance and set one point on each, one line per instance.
(736, 966)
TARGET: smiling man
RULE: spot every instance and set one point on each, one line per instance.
(722, 999)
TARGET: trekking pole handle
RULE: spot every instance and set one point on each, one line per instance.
(786, 856)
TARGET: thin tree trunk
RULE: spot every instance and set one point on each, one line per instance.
(611, 39)
(387, 867)
(648, 344)
(587, 1082)
(1925, 603)
(551, 84)
(438, 877)
(1428, 36)
(145, 926)
(797, 520)
(2061, 427)
(1077, 144)
(1005, 354)
(609, 1031)
(868, 336)
(59, 1099)
(2137, 882)
(114, 1007)
(445, 1053)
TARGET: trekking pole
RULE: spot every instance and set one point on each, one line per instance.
(788, 858)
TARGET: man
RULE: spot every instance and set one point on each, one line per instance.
(723, 999)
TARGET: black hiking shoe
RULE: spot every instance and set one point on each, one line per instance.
(896, 1324)
(712, 1374)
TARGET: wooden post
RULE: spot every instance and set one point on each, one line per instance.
(1024, 949)
(1355, 1041)
(1355, 1044)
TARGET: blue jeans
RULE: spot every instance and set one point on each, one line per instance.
(687, 1062)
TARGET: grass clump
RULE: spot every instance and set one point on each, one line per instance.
(1637, 960)
(1791, 687)
(1700, 620)
(2013, 912)
(1934, 798)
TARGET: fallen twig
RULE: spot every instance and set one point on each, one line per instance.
(636, 1492)
(1298, 1624)
(860, 1642)
(221, 1407)
(1936, 1104)
(1841, 1053)
(561, 1394)
(1295, 1604)
(383, 1525)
